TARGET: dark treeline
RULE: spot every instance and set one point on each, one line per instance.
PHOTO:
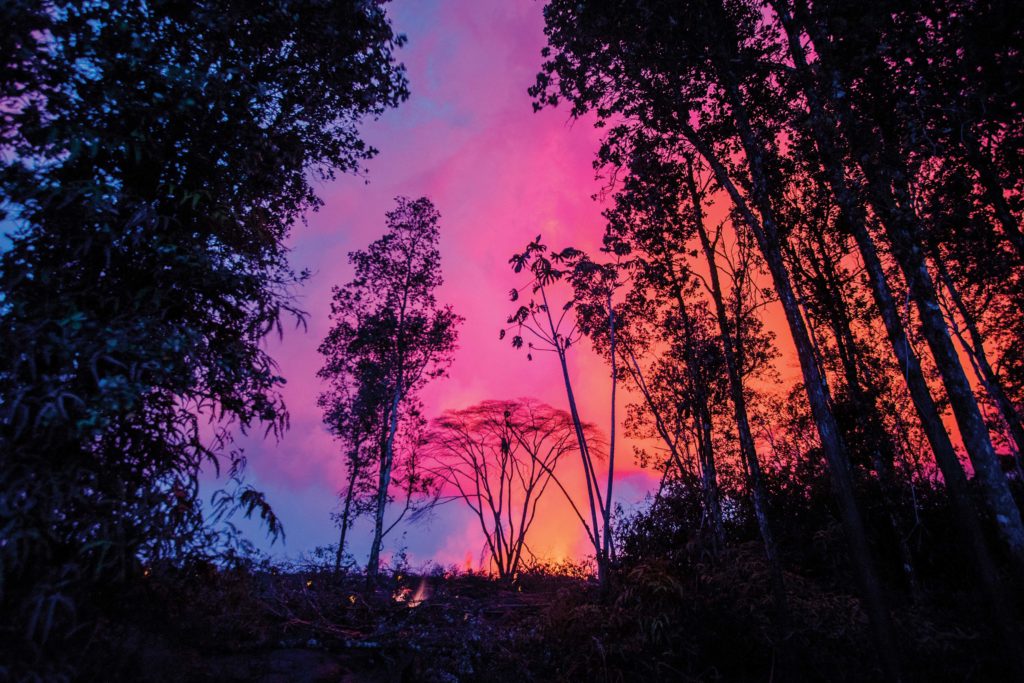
(153, 158)
(847, 175)
(855, 168)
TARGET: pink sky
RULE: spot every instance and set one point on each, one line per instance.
(499, 174)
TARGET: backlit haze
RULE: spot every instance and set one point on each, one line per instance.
(499, 174)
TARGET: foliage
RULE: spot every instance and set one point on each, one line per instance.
(498, 458)
(868, 168)
(154, 157)
(669, 613)
(390, 338)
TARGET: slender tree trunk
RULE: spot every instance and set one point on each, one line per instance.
(383, 483)
(587, 464)
(608, 547)
(712, 493)
(345, 517)
(593, 495)
(659, 422)
(976, 349)
(767, 235)
(966, 518)
(708, 471)
(748, 450)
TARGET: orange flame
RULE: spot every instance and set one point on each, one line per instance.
(414, 599)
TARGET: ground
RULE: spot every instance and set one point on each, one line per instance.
(658, 620)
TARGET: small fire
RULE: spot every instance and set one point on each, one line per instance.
(469, 562)
(422, 594)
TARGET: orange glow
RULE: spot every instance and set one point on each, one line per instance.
(499, 174)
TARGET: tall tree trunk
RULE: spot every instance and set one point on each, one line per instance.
(383, 483)
(964, 514)
(766, 233)
(346, 512)
(748, 450)
(708, 471)
(659, 422)
(593, 492)
(975, 348)
(608, 548)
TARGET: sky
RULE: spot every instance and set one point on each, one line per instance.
(499, 174)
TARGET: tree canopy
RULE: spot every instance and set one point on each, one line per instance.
(153, 158)
(390, 338)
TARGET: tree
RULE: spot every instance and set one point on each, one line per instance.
(659, 211)
(699, 80)
(886, 131)
(878, 146)
(862, 135)
(155, 156)
(557, 336)
(349, 414)
(499, 457)
(390, 337)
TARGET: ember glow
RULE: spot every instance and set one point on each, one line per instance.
(762, 259)
(414, 598)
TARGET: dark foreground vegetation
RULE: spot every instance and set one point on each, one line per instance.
(849, 174)
(672, 611)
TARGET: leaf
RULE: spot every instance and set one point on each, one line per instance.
(567, 254)
(518, 262)
(519, 317)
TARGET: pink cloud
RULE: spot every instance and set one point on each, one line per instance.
(499, 174)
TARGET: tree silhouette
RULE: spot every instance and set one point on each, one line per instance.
(153, 159)
(390, 337)
(557, 336)
(699, 79)
(499, 457)
(836, 131)
(709, 338)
